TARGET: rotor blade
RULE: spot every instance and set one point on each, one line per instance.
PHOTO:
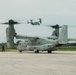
(40, 20)
(4, 23)
(54, 26)
(16, 22)
(11, 23)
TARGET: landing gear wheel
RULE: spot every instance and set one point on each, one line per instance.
(37, 51)
(20, 51)
(49, 51)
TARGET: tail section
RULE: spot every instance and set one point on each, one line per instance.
(63, 35)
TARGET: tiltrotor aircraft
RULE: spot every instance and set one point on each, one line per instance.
(36, 44)
(34, 23)
(58, 38)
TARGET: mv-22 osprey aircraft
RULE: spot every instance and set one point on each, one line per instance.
(36, 44)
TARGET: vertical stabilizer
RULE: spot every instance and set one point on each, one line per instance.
(10, 33)
(63, 35)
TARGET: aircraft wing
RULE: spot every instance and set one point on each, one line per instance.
(26, 37)
(34, 37)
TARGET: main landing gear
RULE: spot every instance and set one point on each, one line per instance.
(37, 51)
(20, 51)
(49, 51)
